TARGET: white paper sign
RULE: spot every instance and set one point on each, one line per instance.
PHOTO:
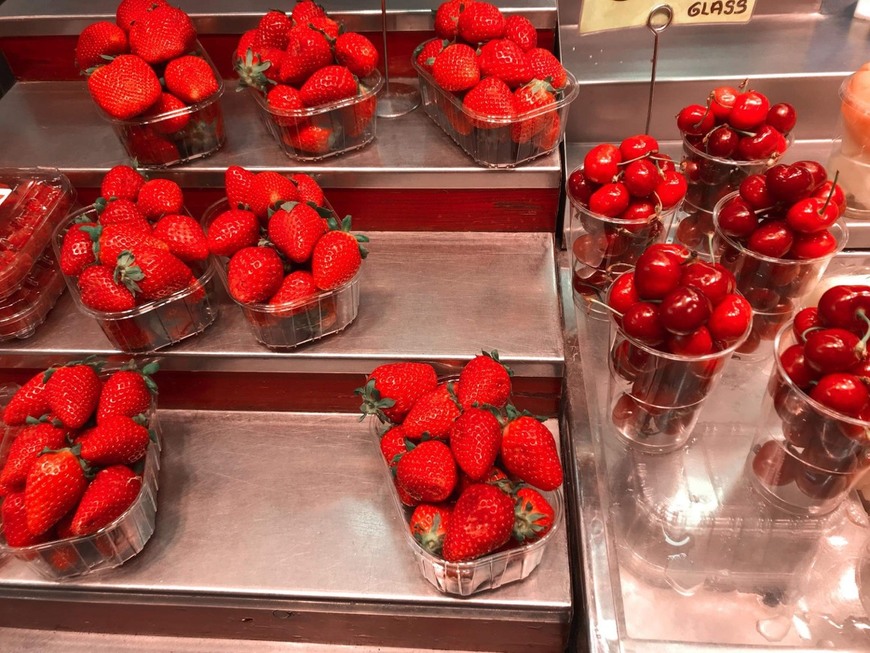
(600, 15)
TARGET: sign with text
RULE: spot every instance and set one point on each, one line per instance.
(600, 15)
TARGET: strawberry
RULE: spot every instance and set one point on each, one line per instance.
(296, 287)
(484, 380)
(329, 84)
(73, 392)
(254, 274)
(157, 197)
(13, 521)
(309, 189)
(121, 183)
(238, 183)
(272, 29)
(30, 400)
(152, 273)
(127, 392)
(533, 515)
(255, 69)
(184, 235)
(427, 472)
(433, 413)
(307, 51)
(161, 34)
(108, 496)
(506, 60)
(480, 22)
(356, 53)
(533, 96)
(246, 43)
(447, 18)
(118, 211)
(116, 440)
(432, 49)
(392, 389)
(269, 189)
(475, 440)
(456, 69)
(494, 477)
(404, 497)
(150, 148)
(547, 67)
(124, 88)
(283, 100)
(77, 250)
(305, 10)
(528, 451)
(491, 97)
(363, 112)
(337, 256)
(550, 136)
(168, 103)
(520, 30)
(113, 239)
(130, 11)
(55, 484)
(310, 139)
(481, 523)
(190, 79)
(295, 229)
(429, 525)
(393, 445)
(24, 451)
(99, 290)
(231, 231)
(326, 25)
(97, 40)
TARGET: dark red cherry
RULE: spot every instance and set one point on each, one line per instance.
(579, 188)
(737, 219)
(622, 293)
(640, 177)
(722, 100)
(773, 238)
(671, 189)
(601, 163)
(610, 200)
(811, 215)
(841, 392)
(683, 310)
(764, 144)
(832, 350)
(782, 117)
(639, 210)
(628, 360)
(637, 146)
(641, 322)
(695, 120)
(773, 465)
(839, 307)
(697, 343)
(753, 191)
(812, 246)
(749, 111)
(730, 319)
(838, 197)
(713, 280)
(816, 170)
(665, 163)
(805, 319)
(657, 272)
(795, 365)
(788, 183)
(722, 142)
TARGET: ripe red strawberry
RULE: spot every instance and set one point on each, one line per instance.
(168, 103)
(132, 10)
(392, 389)
(357, 53)
(190, 79)
(404, 497)
(13, 520)
(124, 88)
(326, 25)
(456, 69)
(433, 413)
(254, 274)
(310, 139)
(363, 113)
(480, 22)
(329, 84)
(305, 10)
(231, 231)
(494, 477)
(157, 197)
(150, 148)
(72, 393)
(447, 18)
(296, 287)
(296, 230)
(283, 100)
(161, 34)
(429, 525)
(547, 67)
(30, 400)
(529, 452)
(307, 51)
(99, 290)
(108, 496)
(393, 445)
(533, 515)
(113, 239)
(520, 30)
(427, 472)
(247, 42)
(184, 235)
(532, 97)
(475, 440)
(55, 484)
(116, 440)
(23, 452)
(484, 380)
(272, 29)
(152, 274)
(77, 249)
(269, 189)
(550, 136)
(127, 392)
(238, 182)
(490, 97)
(118, 211)
(337, 256)
(96, 40)
(432, 49)
(481, 523)
(506, 60)
(121, 182)
(309, 189)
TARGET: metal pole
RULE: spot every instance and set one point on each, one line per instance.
(660, 18)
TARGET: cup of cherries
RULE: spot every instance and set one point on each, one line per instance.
(623, 199)
(777, 234)
(675, 322)
(811, 448)
(736, 133)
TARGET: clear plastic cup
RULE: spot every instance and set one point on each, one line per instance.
(25, 310)
(805, 458)
(340, 127)
(850, 155)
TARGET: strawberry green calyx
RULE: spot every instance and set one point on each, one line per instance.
(431, 539)
(373, 403)
(344, 225)
(451, 391)
(494, 356)
(45, 419)
(76, 451)
(94, 232)
(90, 361)
(127, 272)
(513, 413)
(146, 371)
(252, 74)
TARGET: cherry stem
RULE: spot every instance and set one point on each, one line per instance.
(604, 305)
(704, 117)
(710, 249)
(861, 347)
(637, 158)
(830, 193)
(743, 84)
(810, 330)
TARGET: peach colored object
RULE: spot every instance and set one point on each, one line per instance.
(856, 112)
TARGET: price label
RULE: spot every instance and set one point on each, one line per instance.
(600, 15)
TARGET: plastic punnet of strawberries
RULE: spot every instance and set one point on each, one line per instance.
(301, 63)
(147, 73)
(73, 455)
(470, 465)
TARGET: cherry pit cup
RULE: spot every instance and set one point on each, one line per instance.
(774, 287)
(655, 397)
(805, 458)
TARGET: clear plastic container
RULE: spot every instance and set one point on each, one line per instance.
(286, 326)
(153, 325)
(32, 203)
(486, 573)
(22, 312)
(153, 142)
(337, 127)
(851, 152)
(805, 458)
(112, 545)
(488, 139)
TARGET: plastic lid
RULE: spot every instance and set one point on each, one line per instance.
(26, 308)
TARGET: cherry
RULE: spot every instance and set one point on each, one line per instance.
(753, 191)
(857, 432)
(639, 210)
(773, 465)
(730, 319)
(712, 279)
(628, 360)
(671, 189)
(637, 146)
(579, 187)
(839, 306)
(794, 363)
(812, 246)
(843, 393)
(690, 232)
(749, 111)
(832, 350)
(610, 200)
(813, 479)
(789, 183)
(642, 322)
(737, 219)
(665, 163)
(683, 310)
(817, 171)
(697, 343)
(782, 117)
(838, 197)
(805, 319)
(811, 215)
(695, 120)
(764, 144)
(773, 238)
(589, 249)
(722, 100)
(601, 164)
(641, 177)
(657, 272)
(722, 142)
